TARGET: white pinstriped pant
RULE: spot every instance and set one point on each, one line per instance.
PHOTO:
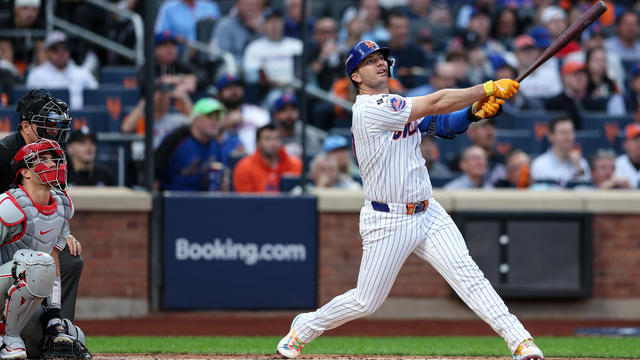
(388, 239)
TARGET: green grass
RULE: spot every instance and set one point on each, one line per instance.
(434, 346)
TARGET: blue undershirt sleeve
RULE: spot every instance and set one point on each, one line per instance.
(446, 125)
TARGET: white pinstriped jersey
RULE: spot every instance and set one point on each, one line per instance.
(387, 149)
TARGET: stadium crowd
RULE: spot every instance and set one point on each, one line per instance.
(575, 123)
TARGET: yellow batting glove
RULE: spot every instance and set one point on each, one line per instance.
(503, 88)
(487, 108)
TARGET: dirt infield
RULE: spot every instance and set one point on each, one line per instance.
(304, 357)
(261, 324)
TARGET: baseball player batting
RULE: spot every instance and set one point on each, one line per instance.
(400, 216)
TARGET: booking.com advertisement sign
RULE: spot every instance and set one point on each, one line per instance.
(239, 252)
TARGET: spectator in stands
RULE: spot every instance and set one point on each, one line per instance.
(443, 77)
(25, 50)
(554, 19)
(270, 59)
(242, 119)
(324, 174)
(293, 19)
(354, 24)
(173, 70)
(409, 57)
(473, 164)
(518, 171)
(632, 95)
(519, 101)
(165, 119)
(372, 13)
(337, 147)
(459, 59)
(261, 172)
(628, 164)
(505, 27)
(234, 31)
(81, 165)
(324, 55)
(483, 134)
(574, 97)
(545, 81)
(603, 166)
(60, 71)
(195, 157)
(285, 115)
(431, 155)
(9, 73)
(601, 88)
(614, 70)
(563, 162)
(625, 43)
(180, 17)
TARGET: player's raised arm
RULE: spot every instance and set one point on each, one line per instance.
(449, 100)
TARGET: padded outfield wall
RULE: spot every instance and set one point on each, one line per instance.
(113, 226)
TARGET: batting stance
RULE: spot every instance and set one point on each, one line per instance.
(34, 226)
(399, 216)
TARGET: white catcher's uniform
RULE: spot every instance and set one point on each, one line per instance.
(394, 173)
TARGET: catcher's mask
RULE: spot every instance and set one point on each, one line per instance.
(51, 115)
(44, 158)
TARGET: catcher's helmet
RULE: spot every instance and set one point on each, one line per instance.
(32, 156)
(50, 114)
(363, 49)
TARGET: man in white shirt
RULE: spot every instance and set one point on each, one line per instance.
(545, 81)
(272, 53)
(60, 72)
(563, 162)
(628, 164)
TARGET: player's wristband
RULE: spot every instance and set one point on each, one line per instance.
(488, 88)
(471, 113)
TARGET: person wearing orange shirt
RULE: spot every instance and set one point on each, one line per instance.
(261, 171)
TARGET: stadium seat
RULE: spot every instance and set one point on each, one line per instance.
(95, 118)
(126, 76)
(449, 149)
(610, 126)
(441, 181)
(591, 140)
(522, 139)
(8, 119)
(19, 91)
(287, 183)
(115, 99)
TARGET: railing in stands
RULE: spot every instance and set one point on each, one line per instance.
(136, 54)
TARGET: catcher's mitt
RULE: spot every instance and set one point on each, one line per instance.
(61, 342)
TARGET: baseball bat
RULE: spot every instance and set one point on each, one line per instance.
(569, 34)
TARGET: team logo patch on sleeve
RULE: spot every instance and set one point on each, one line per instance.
(396, 103)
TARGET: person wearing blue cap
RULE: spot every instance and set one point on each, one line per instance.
(242, 119)
(195, 157)
(285, 113)
(339, 149)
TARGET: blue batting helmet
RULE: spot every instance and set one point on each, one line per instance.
(363, 49)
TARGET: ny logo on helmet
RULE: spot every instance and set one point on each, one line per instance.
(370, 44)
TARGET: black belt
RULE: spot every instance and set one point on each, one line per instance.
(412, 208)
